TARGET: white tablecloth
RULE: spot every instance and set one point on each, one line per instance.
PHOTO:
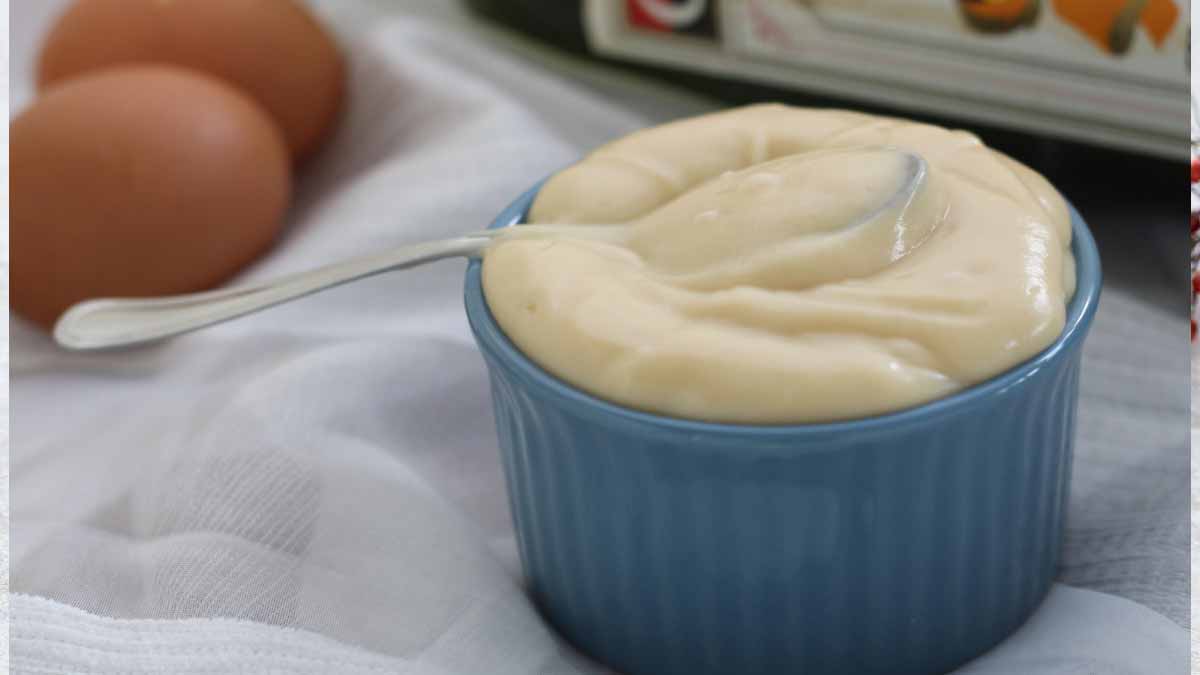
(317, 488)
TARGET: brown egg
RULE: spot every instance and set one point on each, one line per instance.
(273, 49)
(139, 181)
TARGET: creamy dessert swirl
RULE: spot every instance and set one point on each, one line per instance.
(776, 265)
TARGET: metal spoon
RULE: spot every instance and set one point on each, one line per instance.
(117, 322)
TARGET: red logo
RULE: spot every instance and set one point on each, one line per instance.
(670, 16)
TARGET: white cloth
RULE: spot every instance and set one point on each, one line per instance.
(56, 638)
(319, 484)
(1195, 529)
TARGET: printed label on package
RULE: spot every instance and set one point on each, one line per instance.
(1112, 72)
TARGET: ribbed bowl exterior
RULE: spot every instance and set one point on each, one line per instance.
(907, 543)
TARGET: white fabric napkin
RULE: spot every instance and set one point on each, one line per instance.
(55, 638)
(317, 488)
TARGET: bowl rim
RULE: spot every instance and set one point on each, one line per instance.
(492, 340)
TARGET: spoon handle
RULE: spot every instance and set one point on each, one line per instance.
(115, 322)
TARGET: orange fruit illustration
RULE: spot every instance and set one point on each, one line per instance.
(999, 15)
(1111, 24)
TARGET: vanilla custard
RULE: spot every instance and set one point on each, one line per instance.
(775, 265)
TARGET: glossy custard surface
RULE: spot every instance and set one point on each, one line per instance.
(776, 265)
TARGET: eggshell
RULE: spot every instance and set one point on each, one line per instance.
(273, 49)
(139, 181)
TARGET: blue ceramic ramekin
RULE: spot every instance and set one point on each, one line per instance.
(904, 543)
